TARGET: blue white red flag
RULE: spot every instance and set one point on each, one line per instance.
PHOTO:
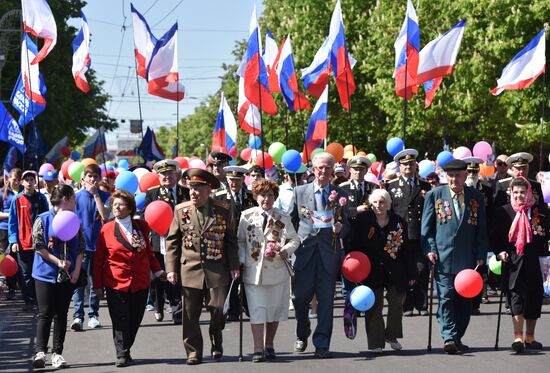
(10, 131)
(144, 41)
(95, 145)
(316, 75)
(162, 68)
(22, 103)
(81, 56)
(407, 50)
(525, 67)
(225, 132)
(271, 58)
(256, 85)
(39, 21)
(295, 100)
(55, 152)
(438, 57)
(149, 149)
(339, 58)
(430, 88)
(249, 116)
(31, 72)
(317, 127)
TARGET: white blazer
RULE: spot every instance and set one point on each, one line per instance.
(259, 270)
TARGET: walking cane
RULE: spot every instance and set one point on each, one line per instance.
(500, 306)
(241, 289)
(432, 272)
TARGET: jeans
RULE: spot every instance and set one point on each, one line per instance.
(25, 260)
(78, 296)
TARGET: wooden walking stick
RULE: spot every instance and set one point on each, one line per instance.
(500, 306)
(430, 312)
(241, 289)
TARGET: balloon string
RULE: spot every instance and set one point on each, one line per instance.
(477, 266)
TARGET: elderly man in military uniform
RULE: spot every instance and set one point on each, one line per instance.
(484, 187)
(407, 193)
(357, 188)
(202, 256)
(217, 161)
(172, 193)
(238, 199)
(519, 165)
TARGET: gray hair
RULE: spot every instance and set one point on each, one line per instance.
(380, 193)
(323, 156)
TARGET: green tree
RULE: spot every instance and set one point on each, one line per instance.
(463, 112)
(68, 110)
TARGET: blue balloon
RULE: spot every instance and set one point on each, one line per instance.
(109, 168)
(123, 164)
(426, 167)
(444, 157)
(362, 298)
(292, 160)
(127, 181)
(254, 142)
(394, 146)
(140, 200)
(75, 155)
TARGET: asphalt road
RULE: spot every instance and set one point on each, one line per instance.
(159, 348)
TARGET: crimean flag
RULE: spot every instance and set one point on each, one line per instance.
(38, 20)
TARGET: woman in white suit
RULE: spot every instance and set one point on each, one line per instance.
(266, 240)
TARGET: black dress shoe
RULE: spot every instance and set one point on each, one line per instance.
(176, 321)
(258, 357)
(461, 347)
(450, 347)
(518, 346)
(159, 316)
(193, 361)
(122, 362)
(270, 353)
(533, 346)
(423, 313)
(217, 355)
(300, 345)
(322, 353)
(232, 317)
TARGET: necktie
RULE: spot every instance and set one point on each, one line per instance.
(411, 184)
(264, 223)
(170, 196)
(458, 208)
(324, 197)
(360, 189)
(238, 200)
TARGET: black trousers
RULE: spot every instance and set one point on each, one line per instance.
(53, 304)
(160, 290)
(126, 310)
(417, 295)
(25, 260)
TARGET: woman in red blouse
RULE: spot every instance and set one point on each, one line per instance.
(123, 262)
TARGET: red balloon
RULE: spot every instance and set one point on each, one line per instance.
(148, 181)
(184, 164)
(264, 157)
(8, 266)
(356, 266)
(158, 215)
(65, 168)
(246, 153)
(468, 283)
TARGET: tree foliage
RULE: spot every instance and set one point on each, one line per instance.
(68, 110)
(463, 112)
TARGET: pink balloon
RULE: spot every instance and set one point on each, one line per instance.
(462, 152)
(482, 149)
(197, 163)
(45, 168)
(546, 191)
(65, 225)
(468, 283)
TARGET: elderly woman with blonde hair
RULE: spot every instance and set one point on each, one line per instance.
(383, 238)
(267, 239)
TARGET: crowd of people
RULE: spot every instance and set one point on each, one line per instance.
(243, 243)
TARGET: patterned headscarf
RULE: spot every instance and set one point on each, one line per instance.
(520, 232)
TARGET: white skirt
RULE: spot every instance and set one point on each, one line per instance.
(268, 303)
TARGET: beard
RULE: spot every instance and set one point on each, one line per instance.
(472, 180)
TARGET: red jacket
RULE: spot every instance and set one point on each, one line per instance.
(118, 265)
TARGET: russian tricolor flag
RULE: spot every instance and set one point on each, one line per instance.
(525, 67)
(149, 149)
(256, 85)
(316, 75)
(144, 41)
(38, 20)
(30, 72)
(317, 127)
(95, 145)
(339, 58)
(225, 131)
(295, 100)
(407, 48)
(81, 56)
(249, 115)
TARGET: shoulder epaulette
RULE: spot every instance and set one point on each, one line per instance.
(393, 180)
(506, 179)
(223, 204)
(345, 184)
(183, 205)
(220, 192)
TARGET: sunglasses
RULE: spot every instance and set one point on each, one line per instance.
(501, 164)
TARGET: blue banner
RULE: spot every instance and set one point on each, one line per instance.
(10, 131)
(21, 102)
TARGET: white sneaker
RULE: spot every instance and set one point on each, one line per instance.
(58, 361)
(94, 323)
(77, 325)
(394, 344)
(39, 360)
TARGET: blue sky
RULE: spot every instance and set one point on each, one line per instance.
(207, 34)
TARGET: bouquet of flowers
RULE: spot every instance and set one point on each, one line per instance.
(271, 250)
(336, 205)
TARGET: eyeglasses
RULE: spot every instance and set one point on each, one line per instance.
(500, 164)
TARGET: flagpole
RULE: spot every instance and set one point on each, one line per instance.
(405, 99)
(541, 160)
(30, 104)
(272, 129)
(350, 116)
(303, 128)
(286, 131)
(260, 94)
(441, 114)
(139, 99)
(178, 117)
